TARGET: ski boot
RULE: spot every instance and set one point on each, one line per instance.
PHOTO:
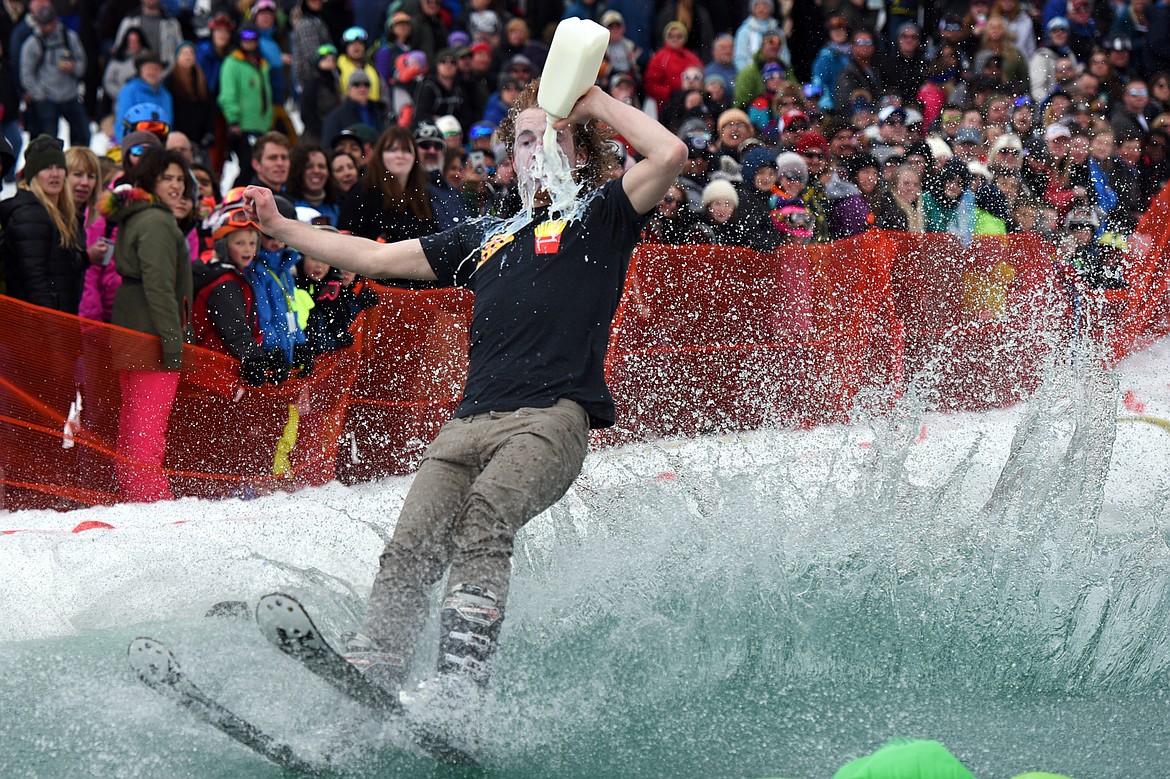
(384, 669)
(469, 629)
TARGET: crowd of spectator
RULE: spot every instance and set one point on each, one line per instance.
(805, 123)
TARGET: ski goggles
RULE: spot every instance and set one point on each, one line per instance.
(152, 126)
(249, 35)
(232, 219)
(237, 217)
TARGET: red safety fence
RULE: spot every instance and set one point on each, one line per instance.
(706, 339)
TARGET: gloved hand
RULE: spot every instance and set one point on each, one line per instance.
(254, 368)
(366, 298)
(303, 359)
(278, 368)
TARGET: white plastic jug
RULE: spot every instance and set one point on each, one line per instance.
(574, 60)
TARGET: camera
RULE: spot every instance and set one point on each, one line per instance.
(478, 162)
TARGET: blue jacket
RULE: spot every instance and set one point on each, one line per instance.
(138, 91)
(275, 287)
(271, 51)
(826, 67)
(209, 63)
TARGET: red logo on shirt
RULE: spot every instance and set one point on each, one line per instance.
(548, 236)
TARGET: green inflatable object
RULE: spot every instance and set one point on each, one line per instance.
(906, 759)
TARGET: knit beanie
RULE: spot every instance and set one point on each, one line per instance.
(792, 165)
(43, 152)
(720, 189)
(759, 157)
(138, 138)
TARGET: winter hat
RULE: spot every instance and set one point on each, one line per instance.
(1006, 141)
(939, 149)
(809, 140)
(858, 162)
(759, 157)
(409, 66)
(793, 166)
(793, 218)
(43, 152)
(730, 115)
(183, 45)
(138, 138)
(720, 189)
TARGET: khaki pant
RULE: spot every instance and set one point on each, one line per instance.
(481, 480)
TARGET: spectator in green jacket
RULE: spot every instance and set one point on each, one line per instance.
(245, 98)
(749, 82)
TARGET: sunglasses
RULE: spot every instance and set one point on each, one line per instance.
(447, 61)
(1023, 102)
(813, 155)
(1136, 92)
(481, 132)
(1010, 152)
(431, 146)
(249, 35)
(863, 41)
(798, 219)
(138, 149)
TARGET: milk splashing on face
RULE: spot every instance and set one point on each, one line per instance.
(552, 172)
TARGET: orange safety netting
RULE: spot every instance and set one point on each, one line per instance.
(705, 339)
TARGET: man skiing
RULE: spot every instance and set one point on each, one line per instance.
(546, 292)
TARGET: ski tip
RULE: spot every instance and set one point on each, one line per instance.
(229, 609)
(152, 661)
(276, 602)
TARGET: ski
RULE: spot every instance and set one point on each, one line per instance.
(285, 623)
(158, 669)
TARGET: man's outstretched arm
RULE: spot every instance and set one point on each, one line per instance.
(664, 154)
(399, 260)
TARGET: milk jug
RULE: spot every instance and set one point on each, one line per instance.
(574, 59)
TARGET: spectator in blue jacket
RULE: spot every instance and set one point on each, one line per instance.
(280, 316)
(146, 87)
(264, 17)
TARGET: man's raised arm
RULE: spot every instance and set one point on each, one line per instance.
(664, 154)
(399, 260)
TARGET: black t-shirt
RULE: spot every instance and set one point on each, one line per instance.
(544, 300)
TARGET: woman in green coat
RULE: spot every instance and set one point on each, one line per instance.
(154, 260)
